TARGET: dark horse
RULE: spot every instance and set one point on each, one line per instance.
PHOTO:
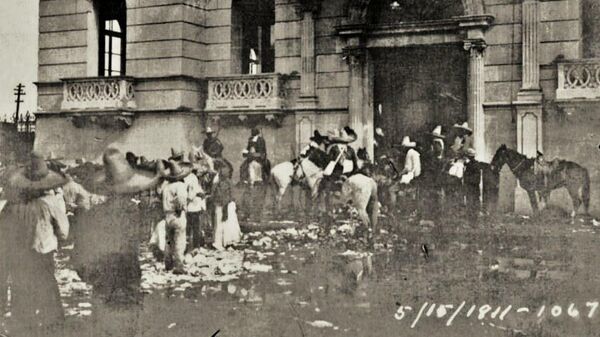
(561, 173)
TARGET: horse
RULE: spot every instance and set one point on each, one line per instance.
(306, 169)
(360, 191)
(562, 173)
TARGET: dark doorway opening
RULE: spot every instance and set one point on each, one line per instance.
(417, 88)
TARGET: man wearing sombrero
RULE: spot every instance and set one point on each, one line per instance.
(212, 146)
(175, 198)
(196, 204)
(462, 134)
(412, 168)
(343, 159)
(32, 224)
(106, 252)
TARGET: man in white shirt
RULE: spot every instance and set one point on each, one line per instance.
(175, 198)
(412, 168)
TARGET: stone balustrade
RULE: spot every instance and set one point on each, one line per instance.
(98, 93)
(246, 93)
(578, 79)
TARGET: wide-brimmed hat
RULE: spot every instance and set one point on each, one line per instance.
(209, 130)
(318, 137)
(36, 176)
(437, 132)
(121, 178)
(177, 155)
(470, 152)
(176, 170)
(407, 143)
(463, 127)
(344, 136)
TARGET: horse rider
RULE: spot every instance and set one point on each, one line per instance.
(343, 160)
(412, 168)
(317, 141)
(256, 151)
(212, 145)
(462, 139)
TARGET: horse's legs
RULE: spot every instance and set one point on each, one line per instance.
(576, 198)
(533, 200)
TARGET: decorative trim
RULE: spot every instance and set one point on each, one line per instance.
(475, 45)
(355, 56)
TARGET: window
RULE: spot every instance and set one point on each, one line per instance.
(112, 39)
(253, 39)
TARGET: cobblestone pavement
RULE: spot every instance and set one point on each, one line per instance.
(502, 277)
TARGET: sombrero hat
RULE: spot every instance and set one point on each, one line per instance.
(209, 130)
(176, 170)
(177, 155)
(437, 132)
(318, 137)
(120, 178)
(36, 176)
(463, 127)
(470, 152)
(407, 143)
(344, 136)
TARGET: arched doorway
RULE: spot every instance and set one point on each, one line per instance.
(430, 54)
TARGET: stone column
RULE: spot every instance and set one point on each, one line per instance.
(308, 97)
(531, 71)
(356, 58)
(476, 95)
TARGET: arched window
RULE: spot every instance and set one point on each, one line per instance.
(112, 28)
(253, 41)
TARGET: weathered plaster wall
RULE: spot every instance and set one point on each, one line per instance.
(151, 135)
(574, 135)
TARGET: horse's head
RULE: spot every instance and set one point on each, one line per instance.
(500, 158)
(202, 162)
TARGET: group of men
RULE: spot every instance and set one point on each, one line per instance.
(451, 173)
(106, 223)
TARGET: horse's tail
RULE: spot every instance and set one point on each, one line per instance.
(373, 206)
(585, 191)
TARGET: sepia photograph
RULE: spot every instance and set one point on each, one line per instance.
(300, 168)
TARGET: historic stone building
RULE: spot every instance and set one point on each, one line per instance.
(149, 75)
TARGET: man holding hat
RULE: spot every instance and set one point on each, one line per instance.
(32, 224)
(106, 252)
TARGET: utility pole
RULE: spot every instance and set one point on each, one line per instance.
(19, 92)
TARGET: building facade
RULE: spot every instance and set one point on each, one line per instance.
(148, 75)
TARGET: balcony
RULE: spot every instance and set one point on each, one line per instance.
(246, 93)
(98, 94)
(578, 79)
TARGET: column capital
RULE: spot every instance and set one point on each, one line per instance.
(475, 46)
(355, 56)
